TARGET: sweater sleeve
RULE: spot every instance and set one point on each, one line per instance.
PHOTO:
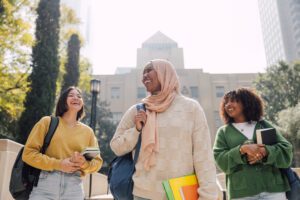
(95, 164)
(126, 135)
(202, 156)
(32, 155)
(227, 159)
(280, 154)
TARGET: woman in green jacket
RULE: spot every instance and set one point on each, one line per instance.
(252, 170)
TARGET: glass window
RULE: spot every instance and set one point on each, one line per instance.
(141, 92)
(194, 92)
(218, 121)
(220, 91)
(115, 93)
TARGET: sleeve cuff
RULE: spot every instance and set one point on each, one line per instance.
(57, 165)
(235, 154)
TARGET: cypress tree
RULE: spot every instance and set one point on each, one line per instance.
(71, 77)
(45, 67)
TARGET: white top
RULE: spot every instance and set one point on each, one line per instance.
(246, 128)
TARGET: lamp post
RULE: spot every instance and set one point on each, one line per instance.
(95, 89)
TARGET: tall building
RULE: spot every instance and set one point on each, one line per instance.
(125, 88)
(281, 29)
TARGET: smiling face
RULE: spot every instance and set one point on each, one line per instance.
(150, 79)
(234, 109)
(74, 100)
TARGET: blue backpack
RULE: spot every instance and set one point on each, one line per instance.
(121, 171)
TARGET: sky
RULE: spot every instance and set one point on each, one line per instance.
(218, 36)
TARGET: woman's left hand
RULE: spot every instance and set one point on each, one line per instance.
(78, 158)
(259, 155)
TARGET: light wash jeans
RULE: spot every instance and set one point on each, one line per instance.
(139, 198)
(58, 186)
(265, 196)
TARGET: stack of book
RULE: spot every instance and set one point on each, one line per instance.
(90, 152)
(182, 188)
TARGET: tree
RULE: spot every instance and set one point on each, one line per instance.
(279, 87)
(45, 66)
(71, 77)
(289, 123)
(15, 43)
(68, 23)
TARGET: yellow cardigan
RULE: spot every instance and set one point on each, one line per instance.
(66, 140)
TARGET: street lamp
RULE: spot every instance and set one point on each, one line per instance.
(95, 89)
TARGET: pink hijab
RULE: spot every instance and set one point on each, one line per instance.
(168, 79)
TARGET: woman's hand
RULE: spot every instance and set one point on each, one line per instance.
(140, 119)
(78, 159)
(255, 152)
(68, 166)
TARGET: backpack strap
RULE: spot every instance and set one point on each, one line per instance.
(138, 145)
(52, 128)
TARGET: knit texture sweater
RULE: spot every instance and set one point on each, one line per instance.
(65, 141)
(184, 148)
(243, 179)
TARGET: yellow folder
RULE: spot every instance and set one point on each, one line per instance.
(177, 183)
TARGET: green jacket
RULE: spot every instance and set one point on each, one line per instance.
(243, 179)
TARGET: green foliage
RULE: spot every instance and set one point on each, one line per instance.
(71, 77)
(68, 24)
(45, 66)
(279, 87)
(15, 43)
(289, 121)
(105, 129)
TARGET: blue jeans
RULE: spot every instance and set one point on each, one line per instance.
(265, 196)
(58, 186)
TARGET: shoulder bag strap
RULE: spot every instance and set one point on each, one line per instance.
(138, 145)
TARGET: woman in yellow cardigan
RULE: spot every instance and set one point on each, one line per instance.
(62, 165)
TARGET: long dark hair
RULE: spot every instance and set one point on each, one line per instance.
(62, 107)
(253, 107)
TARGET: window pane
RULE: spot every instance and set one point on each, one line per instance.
(115, 93)
(194, 92)
(220, 91)
(141, 92)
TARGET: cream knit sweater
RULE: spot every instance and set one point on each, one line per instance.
(184, 148)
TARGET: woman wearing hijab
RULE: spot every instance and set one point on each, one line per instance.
(175, 137)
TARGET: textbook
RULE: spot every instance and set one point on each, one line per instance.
(168, 190)
(90, 152)
(266, 136)
(189, 192)
(174, 186)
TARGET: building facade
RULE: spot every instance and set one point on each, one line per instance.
(280, 22)
(125, 88)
